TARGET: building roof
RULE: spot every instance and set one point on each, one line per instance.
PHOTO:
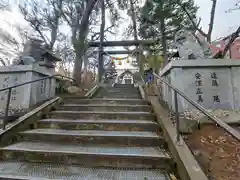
(125, 72)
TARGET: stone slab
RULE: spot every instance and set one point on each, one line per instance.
(203, 63)
(100, 124)
(107, 101)
(93, 133)
(102, 115)
(103, 112)
(151, 152)
(112, 121)
(25, 68)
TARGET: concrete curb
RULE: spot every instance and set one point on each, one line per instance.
(142, 92)
(92, 91)
(25, 121)
(187, 166)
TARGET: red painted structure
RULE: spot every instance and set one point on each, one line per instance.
(234, 51)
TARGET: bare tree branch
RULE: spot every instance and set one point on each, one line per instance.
(96, 35)
(199, 21)
(196, 25)
(43, 16)
(3, 5)
(237, 7)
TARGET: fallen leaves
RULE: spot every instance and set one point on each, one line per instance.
(217, 152)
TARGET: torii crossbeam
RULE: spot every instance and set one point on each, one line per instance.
(117, 52)
(122, 43)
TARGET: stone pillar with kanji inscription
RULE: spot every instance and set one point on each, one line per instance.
(212, 83)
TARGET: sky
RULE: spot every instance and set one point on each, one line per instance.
(225, 23)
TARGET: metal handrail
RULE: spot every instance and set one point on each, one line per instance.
(30, 82)
(216, 120)
(21, 84)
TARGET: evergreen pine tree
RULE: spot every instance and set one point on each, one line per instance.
(161, 19)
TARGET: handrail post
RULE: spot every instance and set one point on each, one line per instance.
(7, 108)
(50, 87)
(62, 89)
(177, 116)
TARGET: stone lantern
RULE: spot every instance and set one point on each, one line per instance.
(49, 59)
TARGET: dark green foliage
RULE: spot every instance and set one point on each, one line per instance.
(160, 18)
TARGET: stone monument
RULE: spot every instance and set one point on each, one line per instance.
(213, 83)
(36, 62)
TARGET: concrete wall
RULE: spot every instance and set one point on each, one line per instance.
(211, 84)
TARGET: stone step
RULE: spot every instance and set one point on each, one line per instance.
(113, 89)
(107, 101)
(102, 115)
(101, 124)
(44, 171)
(116, 91)
(103, 96)
(88, 155)
(119, 91)
(107, 95)
(133, 138)
(124, 85)
(100, 107)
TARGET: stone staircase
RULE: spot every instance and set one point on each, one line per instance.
(125, 91)
(113, 136)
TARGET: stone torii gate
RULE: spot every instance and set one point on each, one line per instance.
(101, 45)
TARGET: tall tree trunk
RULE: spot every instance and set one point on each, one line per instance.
(55, 22)
(78, 65)
(100, 55)
(164, 41)
(85, 62)
(79, 44)
(209, 34)
(135, 34)
(134, 20)
(79, 50)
